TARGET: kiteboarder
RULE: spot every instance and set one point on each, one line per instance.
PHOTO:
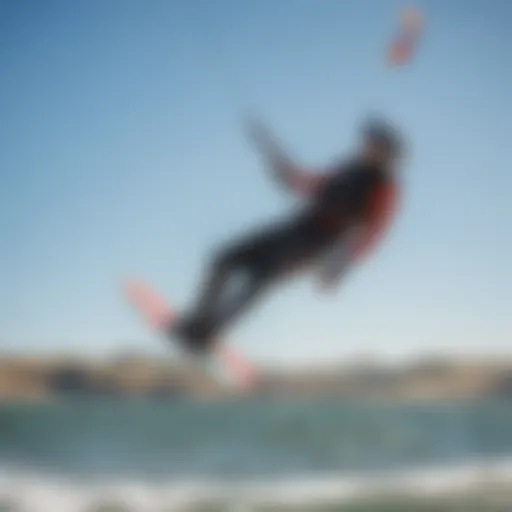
(345, 210)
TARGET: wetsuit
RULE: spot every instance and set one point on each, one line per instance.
(355, 194)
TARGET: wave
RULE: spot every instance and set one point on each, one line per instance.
(37, 492)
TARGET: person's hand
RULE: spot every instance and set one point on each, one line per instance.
(328, 282)
(326, 286)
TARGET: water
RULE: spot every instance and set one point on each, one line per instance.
(260, 440)
(250, 438)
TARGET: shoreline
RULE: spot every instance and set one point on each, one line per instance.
(38, 380)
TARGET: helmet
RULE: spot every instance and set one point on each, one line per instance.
(381, 132)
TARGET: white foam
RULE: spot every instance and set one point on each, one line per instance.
(42, 493)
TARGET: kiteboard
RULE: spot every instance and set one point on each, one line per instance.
(223, 361)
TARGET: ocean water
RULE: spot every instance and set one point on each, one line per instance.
(274, 451)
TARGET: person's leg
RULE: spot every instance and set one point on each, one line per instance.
(223, 267)
(197, 321)
(261, 259)
(256, 280)
(277, 254)
(217, 305)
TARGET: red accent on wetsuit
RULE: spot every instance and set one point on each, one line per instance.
(382, 210)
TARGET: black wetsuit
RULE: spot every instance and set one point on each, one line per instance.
(268, 253)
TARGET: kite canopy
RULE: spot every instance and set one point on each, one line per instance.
(403, 44)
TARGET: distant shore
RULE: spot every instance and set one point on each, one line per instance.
(39, 379)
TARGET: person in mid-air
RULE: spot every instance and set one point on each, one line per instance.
(345, 210)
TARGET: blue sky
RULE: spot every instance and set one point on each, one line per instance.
(121, 154)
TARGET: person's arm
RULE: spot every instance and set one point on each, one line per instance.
(290, 175)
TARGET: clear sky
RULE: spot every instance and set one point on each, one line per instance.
(121, 154)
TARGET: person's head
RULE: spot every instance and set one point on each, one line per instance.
(381, 143)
